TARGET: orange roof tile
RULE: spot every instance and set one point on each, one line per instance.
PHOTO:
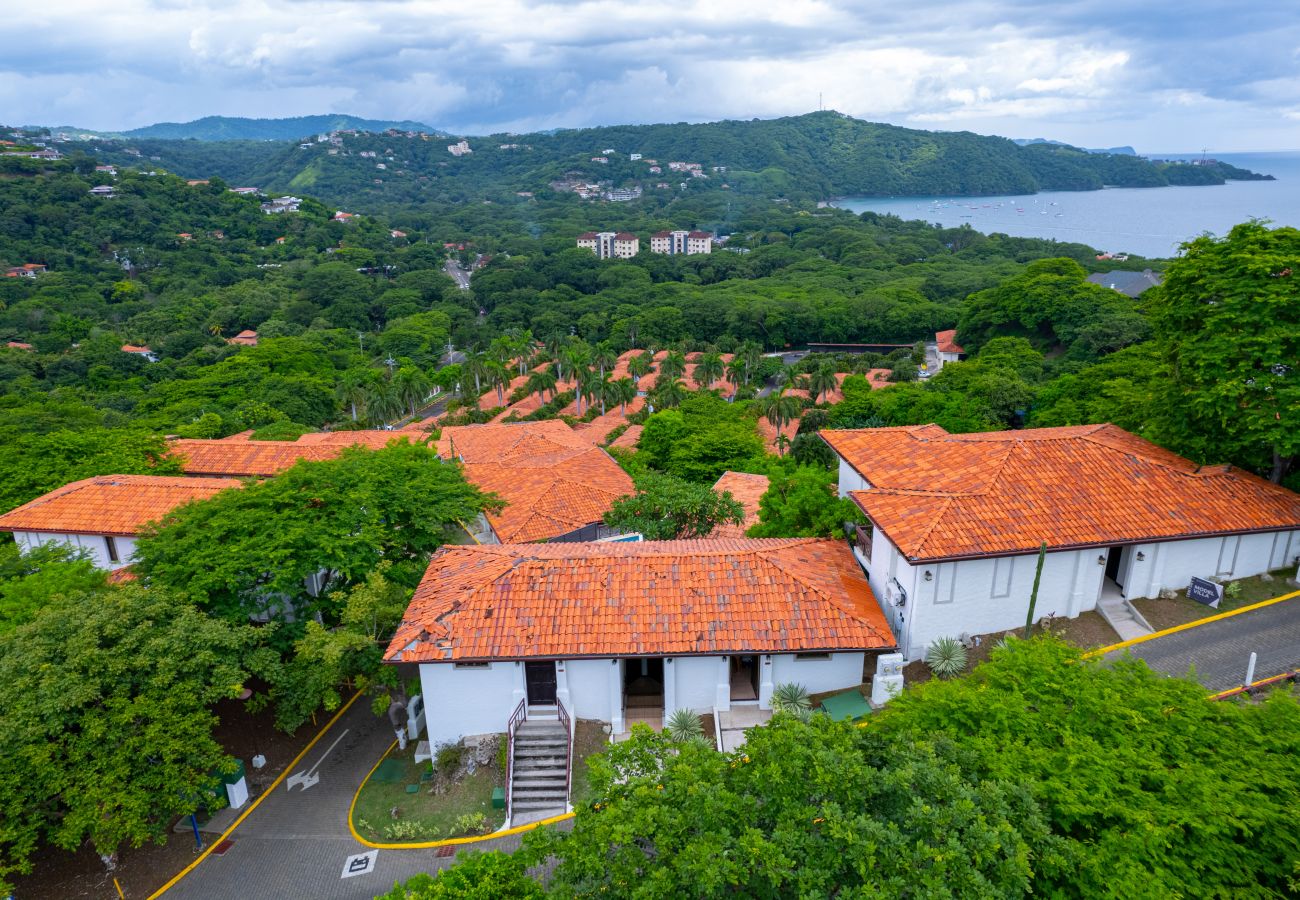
(938, 496)
(245, 338)
(646, 598)
(552, 479)
(232, 456)
(110, 504)
(947, 341)
(628, 439)
(748, 491)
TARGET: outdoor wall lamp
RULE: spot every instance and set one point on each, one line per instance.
(1101, 559)
(929, 576)
(1142, 557)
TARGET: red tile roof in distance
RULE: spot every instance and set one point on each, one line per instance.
(512, 601)
(748, 491)
(949, 496)
(238, 456)
(947, 341)
(110, 504)
(552, 479)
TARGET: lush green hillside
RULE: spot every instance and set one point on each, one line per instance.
(814, 156)
(236, 128)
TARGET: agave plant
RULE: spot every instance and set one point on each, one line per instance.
(793, 699)
(684, 725)
(946, 657)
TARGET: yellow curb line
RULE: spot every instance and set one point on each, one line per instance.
(1263, 682)
(1102, 651)
(252, 806)
(447, 842)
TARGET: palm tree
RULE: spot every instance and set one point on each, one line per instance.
(381, 400)
(822, 381)
(540, 382)
(412, 386)
(522, 345)
(708, 370)
(735, 374)
(672, 366)
(498, 376)
(501, 350)
(669, 393)
(640, 366)
(351, 390)
(601, 389)
(779, 409)
(578, 356)
(476, 367)
(622, 391)
(604, 357)
(749, 353)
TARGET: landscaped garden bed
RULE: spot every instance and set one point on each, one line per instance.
(1168, 612)
(404, 801)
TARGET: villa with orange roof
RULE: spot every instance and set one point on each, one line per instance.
(632, 631)
(238, 457)
(556, 483)
(956, 522)
(948, 348)
(747, 490)
(103, 515)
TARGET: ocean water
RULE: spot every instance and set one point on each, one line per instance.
(1152, 222)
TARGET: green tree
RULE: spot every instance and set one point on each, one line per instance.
(412, 387)
(1227, 322)
(339, 517)
(640, 365)
(622, 391)
(35, 464)
(672, 366)
(476, 876)
(708, 370)
(665, 508)
(30, 580)
(105, 705)
(802, 502)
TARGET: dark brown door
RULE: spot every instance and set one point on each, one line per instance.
(540, 677)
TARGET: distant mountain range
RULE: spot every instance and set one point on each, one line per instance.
(1118, 151)
(235, 128)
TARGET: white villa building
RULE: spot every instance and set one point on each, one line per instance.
(610, 244)
(956, 521)
(681, 243)
(628, 632)
(103, 515)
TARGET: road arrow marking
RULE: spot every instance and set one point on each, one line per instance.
(309, 777)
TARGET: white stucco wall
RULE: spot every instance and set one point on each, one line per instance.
(696, 681)
(461, 701)
(1172, 564)
(850, 480)
(589, 683)
(837, 671)
(95, 543)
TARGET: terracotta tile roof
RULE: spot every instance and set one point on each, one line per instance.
(627, 440)
(942, 496)
(947, 341)
(748, 491)
(123, 575)
(110, 504)
(133, 348)
(648, 598)
(18, 345)
(552, 479)
(245, 338)
(240, 457)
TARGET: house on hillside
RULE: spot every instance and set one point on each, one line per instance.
(101, 190)
(1132, 284)
(281, 205)
(104, 514)
(947, 347)
(239, 457)
(26, 270)
(556, 483)
(245, 338)
(956, 521)
(623, 632)
(140, 350)
(19, 345)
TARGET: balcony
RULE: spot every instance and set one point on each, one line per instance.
(862, 541)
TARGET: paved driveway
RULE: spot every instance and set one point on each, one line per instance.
(1219, 650)
(296, 843)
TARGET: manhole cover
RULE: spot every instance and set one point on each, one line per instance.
(220, 849)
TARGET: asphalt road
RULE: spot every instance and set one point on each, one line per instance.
(459, 275)
(296, 844)
(1215, 654)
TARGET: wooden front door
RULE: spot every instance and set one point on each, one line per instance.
(540, 678)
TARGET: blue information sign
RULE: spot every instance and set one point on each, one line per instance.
(1206, 592)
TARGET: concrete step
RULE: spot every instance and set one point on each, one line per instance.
(529, 728)
(538, 743)
(559, 752)
(541, 781)
(525, 805)
(548, 793)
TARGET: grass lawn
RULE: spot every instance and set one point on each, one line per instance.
(432, 812)
(589, 740)
(1162, 613)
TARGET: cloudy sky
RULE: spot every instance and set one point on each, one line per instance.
(1156, 74)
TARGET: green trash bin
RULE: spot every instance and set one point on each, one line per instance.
(238, 775)
(236, 784)
(499, 798)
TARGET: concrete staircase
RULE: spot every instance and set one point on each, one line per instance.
(541, 768)
(1123, 617)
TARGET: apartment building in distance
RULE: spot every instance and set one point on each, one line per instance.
(681, 243)
(610, 244)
